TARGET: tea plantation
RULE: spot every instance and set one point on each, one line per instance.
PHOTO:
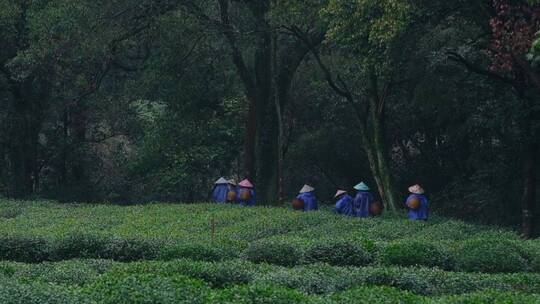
(207, 253)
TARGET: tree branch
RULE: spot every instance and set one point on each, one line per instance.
(478, 69)
(238, 59)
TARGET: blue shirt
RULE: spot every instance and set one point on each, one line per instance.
(344, 205)
(422, 212)
(310, 201)
(219, 195)
(361, 203)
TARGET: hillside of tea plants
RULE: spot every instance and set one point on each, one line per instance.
(208, 253)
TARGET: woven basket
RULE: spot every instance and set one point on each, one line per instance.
(231, 196)
(298, 204)
(414, 203)
(245, 195)
(375, 208)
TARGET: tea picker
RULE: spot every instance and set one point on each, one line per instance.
(417, 203)
(219, 194)
(246, 193)
(307, 196)
(343, 203)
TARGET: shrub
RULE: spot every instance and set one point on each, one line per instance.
(338, 253)
(215, 274)
(10, 213)
(312, 279)
(126, 250)
(221, 274)
(412, 253)
(37, 249)
(410, 279)
(491, 297)
(199, 252)
(8, 268)
(490, 256)
(376, 295)
(78, 246)
(273, 252)
(116, 288)
(260, 294)
(24, 249)
(38, 293)
(531, 252)
(73, 272)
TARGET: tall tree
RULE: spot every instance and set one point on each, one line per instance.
(513, 28)
(266, 61)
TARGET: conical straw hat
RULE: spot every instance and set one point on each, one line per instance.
(232, 182)
(416, 189)
(246, 184)
(306, 188)
(361, 187)
(221, 180)
(340, 192)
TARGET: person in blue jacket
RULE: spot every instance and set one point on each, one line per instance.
(362, 200)
(307, 195)
(420, 212)
(246, 189)
(344, 203)
(219, 194)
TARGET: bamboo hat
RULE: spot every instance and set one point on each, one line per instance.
(340, 192)
(221, 180)
(246, 184)
(361, 187)
(416, 189)
(306, 188)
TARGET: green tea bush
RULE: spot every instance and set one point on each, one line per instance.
(126, 250)
(7, 269)
(433, 281)
(221, 274)
(408, 279)
(490, 297)
(273, 252)
(338, 253)
(10, 213)
(312, 279)
(24, 248)
(78, 246)
(215, 274)
(73, 272)
(38, 293)
(413, 253)
(261, 294)
(531, 251)
(490, 256)
(146, 288)
(38, 249)
(200, 252)
(375, 295)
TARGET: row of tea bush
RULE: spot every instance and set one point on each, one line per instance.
(475, 255)
(313, 279)
(152, 288)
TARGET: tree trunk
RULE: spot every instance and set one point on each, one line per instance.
(249, 141)
(383, 166)
(529, 190)
(279, 116)
(22, 151)
(78, 124)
